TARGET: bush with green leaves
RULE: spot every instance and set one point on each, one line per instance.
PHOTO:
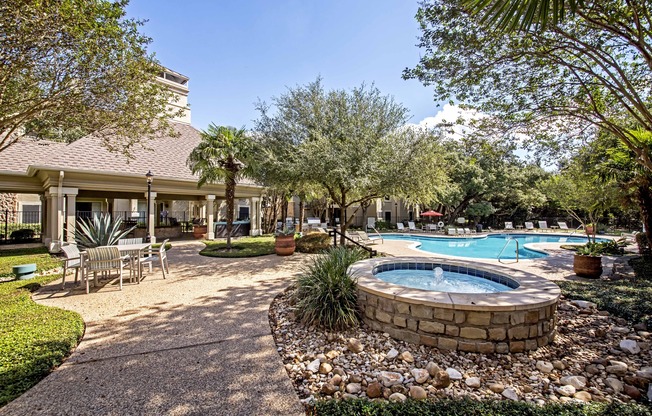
(99, 231)
(313, 243)
(326, 292)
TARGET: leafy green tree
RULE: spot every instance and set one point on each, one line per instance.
(70, 68)
(220, 157)
(351, 144)
(591, 72)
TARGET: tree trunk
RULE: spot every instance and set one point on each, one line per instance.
(230, 202)
(284, 210)
(343, 222)
(644, 196)
(301, 206)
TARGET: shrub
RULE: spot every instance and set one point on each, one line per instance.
(382, 225)
(326, 292)
(100, 231)
(313, 243)
(22, 234)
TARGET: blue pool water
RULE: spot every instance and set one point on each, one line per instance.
(447, 282)
(486, 247)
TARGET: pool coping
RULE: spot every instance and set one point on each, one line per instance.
(532, 291)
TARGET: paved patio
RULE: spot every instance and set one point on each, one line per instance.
(198, 342)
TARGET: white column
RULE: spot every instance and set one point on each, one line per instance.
(54, 219)
(254, 214)
(44, 217)
(210, 232)
(71, 213)
(152, 216)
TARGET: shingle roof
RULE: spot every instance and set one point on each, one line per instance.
(165, 156)
(25, 152)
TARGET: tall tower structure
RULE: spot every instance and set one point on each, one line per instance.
(178, 84)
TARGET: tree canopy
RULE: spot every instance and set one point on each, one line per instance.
(590, 72)
(70, 68)
(352, 144)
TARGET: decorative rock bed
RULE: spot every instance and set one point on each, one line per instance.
(521, 319)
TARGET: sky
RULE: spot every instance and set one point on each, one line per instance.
(239, 52)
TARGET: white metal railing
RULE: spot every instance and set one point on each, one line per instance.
(375, 232)
(505, 246)
(576, 230)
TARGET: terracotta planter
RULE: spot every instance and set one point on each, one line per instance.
(285, 245)
(589, 230)
(199, 231)
(587, 266)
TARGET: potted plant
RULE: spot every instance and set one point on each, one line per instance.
(199, 229)
(588, 261)
(285, 245)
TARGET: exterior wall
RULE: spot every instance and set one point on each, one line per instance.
(471, 331)
(9, 202)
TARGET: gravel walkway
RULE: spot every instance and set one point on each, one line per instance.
(198, 342)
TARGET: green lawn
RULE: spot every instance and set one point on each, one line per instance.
(241, 247)
(629, 299)
(33, 338)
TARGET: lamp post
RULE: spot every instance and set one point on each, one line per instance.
(150, 178)
(396, 208)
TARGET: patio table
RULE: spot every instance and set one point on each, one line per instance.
(134, 252)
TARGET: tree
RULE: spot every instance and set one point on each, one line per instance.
(589, 73)
(351, 144)
(70, 68)
(512, 15)
(220, 157)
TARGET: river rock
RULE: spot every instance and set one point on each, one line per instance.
(353, 388)
(559, 365)
(406, 356)
(584, 396)
(420, 375)
(615, 384)
(510, 394)
(632, 392)
(374, 390)
(349, 396)
(397, 397)
(578, 382)
(630, 346)
(418, 393)
(584, 304)
(325, 368)
(567, 390)
(355, 378)
(645, 372)
(617, 367)
(354, 345)
(332, 354)
(497, 387)
(473, 382)
(313, 366)
(329, 389)
(336, 380)
(432, 368)
(592, 369)
(454, 374)
(545, 367)
(441, 380)
(391, 354)
(389, 378)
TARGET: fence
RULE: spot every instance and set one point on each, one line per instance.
(139, 218)
(20, 226)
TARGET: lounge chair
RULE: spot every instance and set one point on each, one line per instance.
(399, 226)
(543, 226)
(412, 226)
(364, 238)
(509, 225)
(562, 226)
(431, 227)
(452, 231)
(630, 237)
(529, 226)
(460, 231)
(353, 235)
(468, 231)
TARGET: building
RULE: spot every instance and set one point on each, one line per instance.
(83, 178)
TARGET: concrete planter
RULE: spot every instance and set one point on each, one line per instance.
(587, 266)
(199, 231)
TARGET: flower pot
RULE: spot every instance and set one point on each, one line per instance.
(285, 245)
(589, 230)
(199, 231)
(588, 266)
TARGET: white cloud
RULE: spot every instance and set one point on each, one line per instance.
(448, 117)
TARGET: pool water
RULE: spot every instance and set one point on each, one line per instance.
(446, 282)
(487, 247)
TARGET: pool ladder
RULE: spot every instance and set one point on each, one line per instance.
(505, 246)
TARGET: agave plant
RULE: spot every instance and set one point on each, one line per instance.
(100, 231)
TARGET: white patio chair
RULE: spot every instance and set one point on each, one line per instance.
(412, 226)
(127, 241)
(103, 259)
(72, 261)
(431, 227)
(460, 231)
(399, 226)
(509, 225)
(468, 231)
(159, 255)
(543, 226)
(529, 226)
(562, 225)
(452, 231)
(366, 240)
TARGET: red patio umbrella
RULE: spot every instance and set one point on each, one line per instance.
(431, 213)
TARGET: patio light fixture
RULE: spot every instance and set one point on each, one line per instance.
(150, 177)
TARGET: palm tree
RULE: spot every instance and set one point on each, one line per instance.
(515, 15)
(219, 157)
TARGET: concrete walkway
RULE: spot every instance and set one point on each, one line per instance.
(196, 343)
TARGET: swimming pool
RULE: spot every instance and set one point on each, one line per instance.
(486, 247)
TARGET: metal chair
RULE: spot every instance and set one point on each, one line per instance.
(156, 255)
(72, 261)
